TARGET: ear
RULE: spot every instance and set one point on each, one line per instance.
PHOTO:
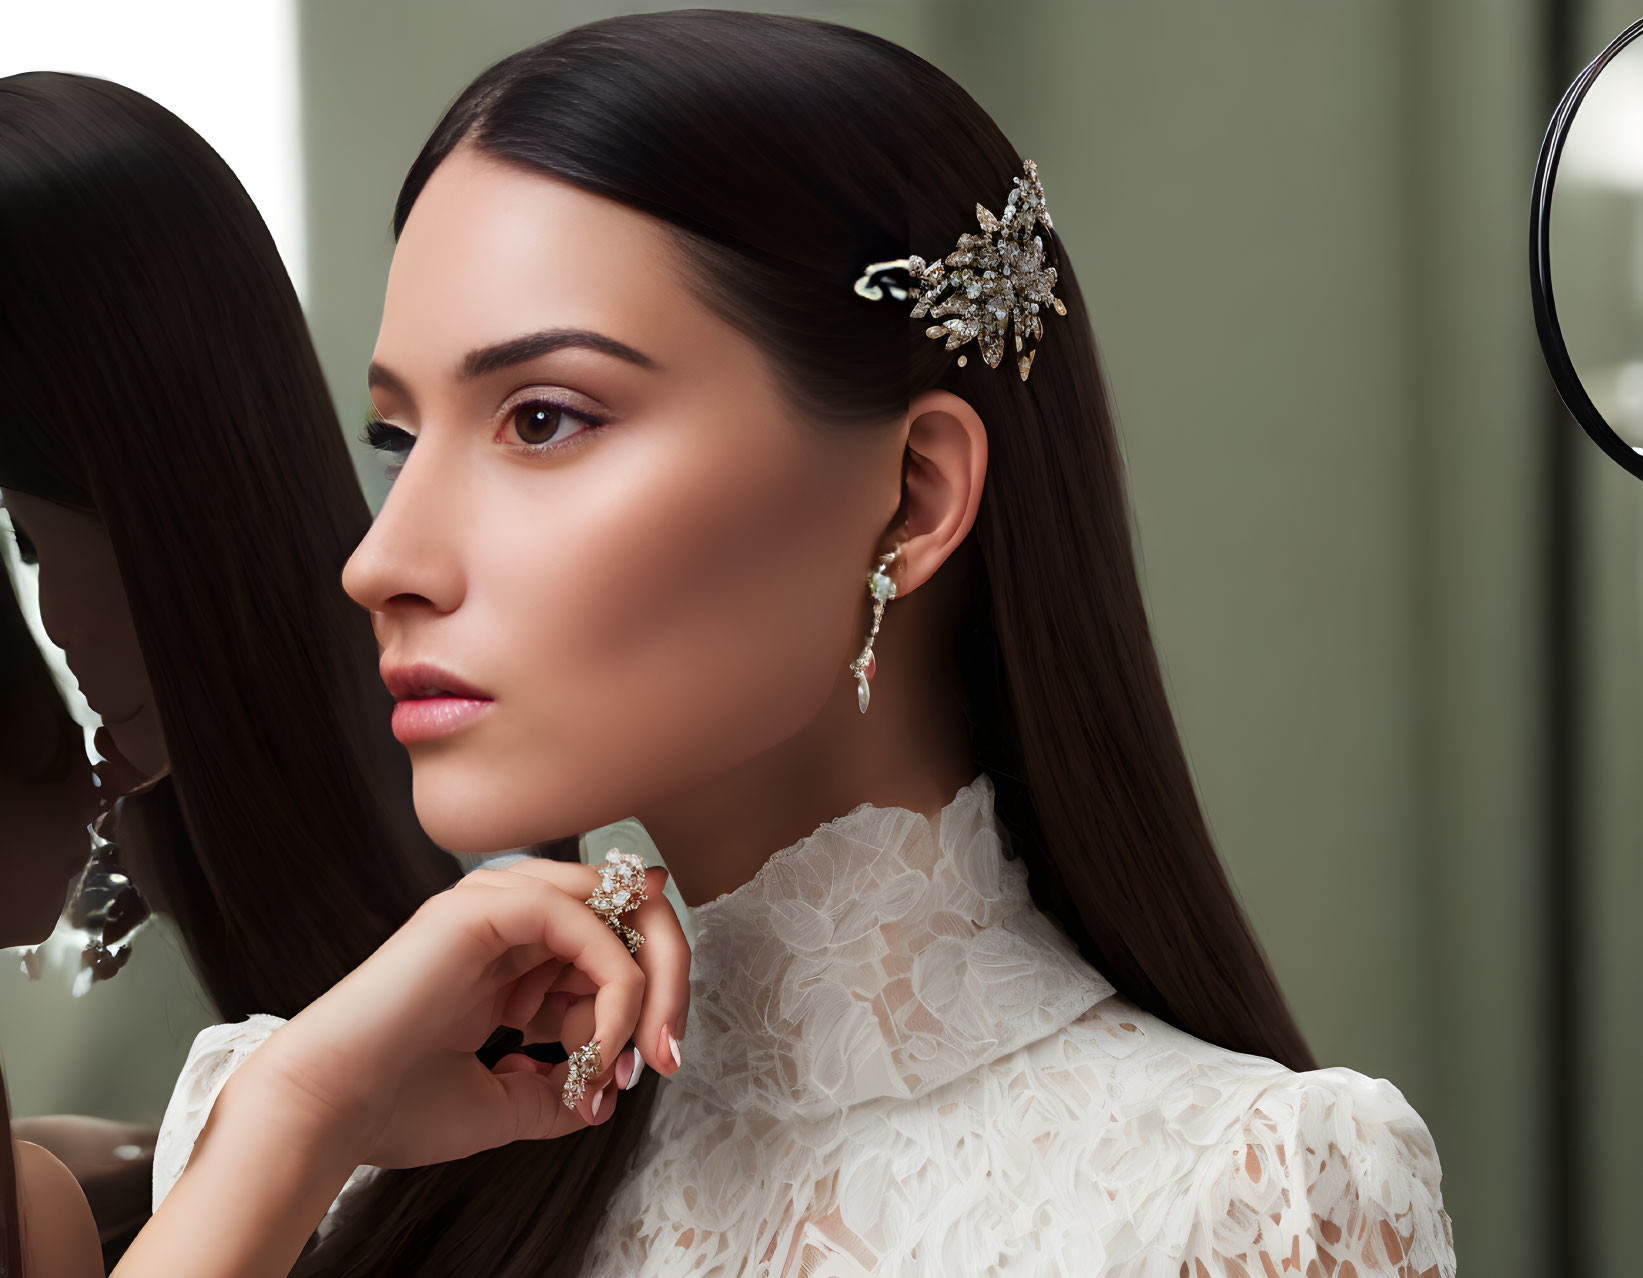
(946, 465)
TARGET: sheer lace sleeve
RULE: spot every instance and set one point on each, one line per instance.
(1334, 1173)
(217, 1052)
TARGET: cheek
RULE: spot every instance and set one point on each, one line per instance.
(671, 623)
(66, 611)
(84, 610)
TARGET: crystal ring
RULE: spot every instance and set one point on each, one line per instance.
(621, 889)
(584, 1067)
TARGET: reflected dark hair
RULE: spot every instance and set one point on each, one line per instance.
(157, 372)
(784, 154)
(39, 740)
(25, 684)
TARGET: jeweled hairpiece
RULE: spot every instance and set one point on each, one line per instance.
(988, 280)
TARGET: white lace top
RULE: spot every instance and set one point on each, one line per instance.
(895, 1064)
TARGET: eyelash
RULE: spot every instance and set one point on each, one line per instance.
(26, 553)
(391, 439)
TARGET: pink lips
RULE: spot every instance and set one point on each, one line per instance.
(431, 703)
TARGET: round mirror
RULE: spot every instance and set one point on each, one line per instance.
(1586, 249)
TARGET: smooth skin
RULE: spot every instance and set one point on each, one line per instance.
(59, 1236)
(84, 608)
(381, 1069)
(663, 605)
(613, 524)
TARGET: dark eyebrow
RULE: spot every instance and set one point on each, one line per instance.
(517, 350)
(377, 375)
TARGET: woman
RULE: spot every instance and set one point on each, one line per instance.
(153, 357)
(46, 800)
(971, 992)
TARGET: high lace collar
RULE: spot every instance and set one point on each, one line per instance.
(880, 956)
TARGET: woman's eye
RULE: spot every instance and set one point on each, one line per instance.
(25, 548)
(540, 424)
(388, 439)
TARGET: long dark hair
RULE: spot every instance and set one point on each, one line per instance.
(25, 683)
(784, 154)
(156, 371)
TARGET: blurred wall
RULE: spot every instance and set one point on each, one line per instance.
(114, 1052)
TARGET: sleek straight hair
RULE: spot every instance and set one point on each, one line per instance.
(783, 154)
(156, 372)
(28, 757)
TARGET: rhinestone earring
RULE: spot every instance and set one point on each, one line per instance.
(881, 588)
(106, 906)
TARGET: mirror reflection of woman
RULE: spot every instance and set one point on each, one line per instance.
(153, 360)
(971, 991)
(47, 798)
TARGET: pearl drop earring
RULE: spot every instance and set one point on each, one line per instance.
(881, 588)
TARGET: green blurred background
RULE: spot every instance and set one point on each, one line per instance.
(1397, 595)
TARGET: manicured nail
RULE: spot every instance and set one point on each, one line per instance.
(598, 1100)
(672, 1047)
(626, 1067)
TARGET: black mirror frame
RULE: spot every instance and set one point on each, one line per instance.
(1562, 368)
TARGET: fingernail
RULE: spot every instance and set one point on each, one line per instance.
(672, 1046)
(627, 1067)
(598, 1100)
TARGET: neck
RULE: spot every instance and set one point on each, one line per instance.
(882, 954)
(910, 750)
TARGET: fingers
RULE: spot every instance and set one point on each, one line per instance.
(621, 1072)
(619, 983)
(532, 1104)
(466, 948)
(535, 916)
(528, 1084)
(525, 999)
(664, 958)
(547, 1024)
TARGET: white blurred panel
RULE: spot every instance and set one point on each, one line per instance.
(227, 67)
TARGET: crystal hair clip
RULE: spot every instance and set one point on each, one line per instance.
(989, 280)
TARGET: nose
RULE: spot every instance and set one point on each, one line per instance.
(68, 618)
(410, 558)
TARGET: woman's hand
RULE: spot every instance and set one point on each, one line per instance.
(381, 1069)
(385, 1060)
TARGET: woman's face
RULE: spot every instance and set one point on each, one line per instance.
(83, 606)
(611, 531)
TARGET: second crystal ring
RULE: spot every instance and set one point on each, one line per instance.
(584, 1067)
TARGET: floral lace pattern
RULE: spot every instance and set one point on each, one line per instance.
(895, 1064)
(218, 1050)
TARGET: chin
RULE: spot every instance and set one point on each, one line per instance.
(475, 817)
(142, 743)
